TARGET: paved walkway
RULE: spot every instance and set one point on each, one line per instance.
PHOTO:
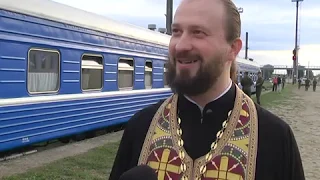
(301, 112)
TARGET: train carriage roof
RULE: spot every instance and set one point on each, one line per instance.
(54, 11)
(247, 62)
(51, 10)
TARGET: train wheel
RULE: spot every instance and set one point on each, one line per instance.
(90, 135)
(64, 140)
(79, 137)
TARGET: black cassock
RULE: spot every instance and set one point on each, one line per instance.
(278, 156)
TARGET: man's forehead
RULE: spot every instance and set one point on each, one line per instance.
(198, 12)
(202, 4)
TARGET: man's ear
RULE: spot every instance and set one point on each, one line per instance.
(236, 46)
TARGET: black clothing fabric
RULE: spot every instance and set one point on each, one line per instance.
(278, 157)
(279, 80)
(274, 87)
(138, 173)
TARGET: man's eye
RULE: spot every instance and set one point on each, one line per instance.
(175, 31)
(197, 32)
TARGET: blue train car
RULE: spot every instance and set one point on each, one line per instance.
(64, 71)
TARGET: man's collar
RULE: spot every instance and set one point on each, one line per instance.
(223, 93)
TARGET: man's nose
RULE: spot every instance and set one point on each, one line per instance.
(184, 43)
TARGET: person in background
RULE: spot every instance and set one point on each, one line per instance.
(279, 83)
(307, 84)
(259, 85)
(274, 84)
(314, 83)
(246, 83)
(283, 81)
(299, 83)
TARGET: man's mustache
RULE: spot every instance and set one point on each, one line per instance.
(187, 56)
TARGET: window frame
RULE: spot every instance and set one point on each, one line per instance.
(102, 78)
(165, 70)
(145, 70)
(133, 73)
(59, 69)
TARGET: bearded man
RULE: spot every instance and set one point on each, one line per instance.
(209, 128)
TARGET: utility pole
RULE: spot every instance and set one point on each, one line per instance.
(308, 70)
(295, 58)
(246, 50)
(240, 10)
(169, 16)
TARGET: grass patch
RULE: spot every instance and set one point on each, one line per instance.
(96, 164)
(275, 98)
(268, 85)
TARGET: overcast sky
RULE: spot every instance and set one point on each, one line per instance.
(270, 24)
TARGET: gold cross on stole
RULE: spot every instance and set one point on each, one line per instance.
(163, 166)
(223, 173)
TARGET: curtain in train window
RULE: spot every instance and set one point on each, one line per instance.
(92, 72)
(43, 71)
(148, 75)
(125, 74)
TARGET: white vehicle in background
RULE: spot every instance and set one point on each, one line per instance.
(303, 81)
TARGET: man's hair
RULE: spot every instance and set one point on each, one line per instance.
(232, 31)
(233, 21)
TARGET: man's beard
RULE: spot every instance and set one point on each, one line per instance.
(206, 76)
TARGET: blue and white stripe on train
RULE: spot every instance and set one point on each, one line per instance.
(64, 71)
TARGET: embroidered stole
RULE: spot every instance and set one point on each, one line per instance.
(233, 159)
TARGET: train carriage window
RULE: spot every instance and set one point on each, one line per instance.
(148, 74)
(165, 70)
(43, 71)
(241, 75)
(125, 74)
(91, 72)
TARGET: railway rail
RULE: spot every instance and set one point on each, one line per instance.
(40, 147)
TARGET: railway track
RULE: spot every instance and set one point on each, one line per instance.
(55, 143)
